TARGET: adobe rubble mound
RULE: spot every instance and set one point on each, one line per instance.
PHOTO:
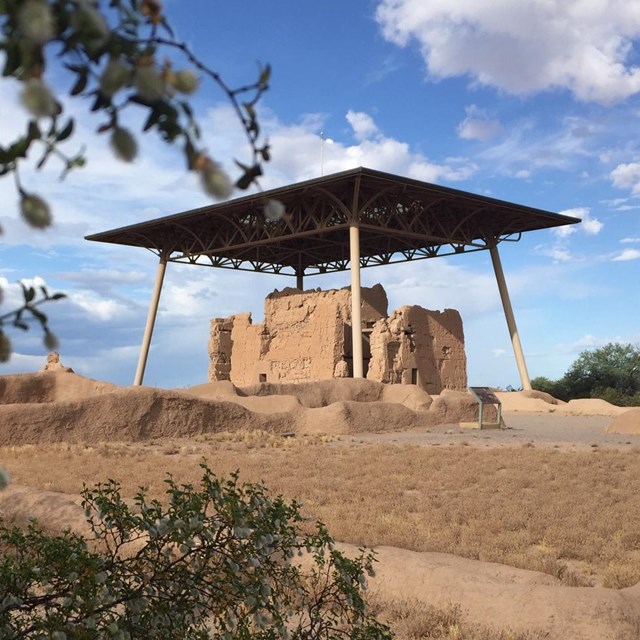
(306, 336)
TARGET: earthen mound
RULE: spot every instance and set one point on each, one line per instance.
(361, 417)
(49, 386)
(225, 390)
(540, 402)
(129, 415)
(453, 406)
(627, 422)
(592, 407)
(322, 392)
(541, 395)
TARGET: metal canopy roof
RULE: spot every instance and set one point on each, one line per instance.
(399, 219)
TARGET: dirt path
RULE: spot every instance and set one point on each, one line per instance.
(561, 431)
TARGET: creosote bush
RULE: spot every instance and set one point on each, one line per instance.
(220, 560)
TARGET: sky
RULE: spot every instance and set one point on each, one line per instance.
(531, 101)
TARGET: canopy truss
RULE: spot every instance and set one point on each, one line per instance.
(399, 219)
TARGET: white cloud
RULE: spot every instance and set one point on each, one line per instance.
(364, 128)
(627, 254)
(478, 125)
(630, 240)
(589, 226)
(296, 153)
(523, 46)
(627, 176)
(100, 308)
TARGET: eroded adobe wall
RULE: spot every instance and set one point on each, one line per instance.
(415, 345)
(306, 335)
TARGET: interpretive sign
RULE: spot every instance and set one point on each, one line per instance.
(484, 395)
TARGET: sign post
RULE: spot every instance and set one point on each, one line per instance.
(484, 395)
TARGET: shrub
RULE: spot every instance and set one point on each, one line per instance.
(220, 560)
(611, 373)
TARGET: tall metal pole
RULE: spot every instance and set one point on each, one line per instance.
(151, 319)
(511, 321)
(356, 314)
(299, 280)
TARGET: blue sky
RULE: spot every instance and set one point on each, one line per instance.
(528, 101)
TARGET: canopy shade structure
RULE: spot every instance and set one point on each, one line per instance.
(399, 219)
(357, 218)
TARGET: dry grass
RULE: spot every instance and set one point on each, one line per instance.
(414, 620)
(572, 515)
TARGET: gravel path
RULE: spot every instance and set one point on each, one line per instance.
(566, 432)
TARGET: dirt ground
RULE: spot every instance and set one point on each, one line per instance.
(559, 431)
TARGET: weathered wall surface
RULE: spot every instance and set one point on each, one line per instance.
(415, 345)
(306, 335)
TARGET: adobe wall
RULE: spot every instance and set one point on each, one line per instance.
(306, 335)
(417, 345)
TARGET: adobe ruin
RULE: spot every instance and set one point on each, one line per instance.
(306, 335)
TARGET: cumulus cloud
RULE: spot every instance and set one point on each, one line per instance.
(296, 152)
(627, 176)
(362, 124)
(589, 225)
(478, 125)
(523, 46)
(627, 254)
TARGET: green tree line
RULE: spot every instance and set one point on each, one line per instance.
(611, 373)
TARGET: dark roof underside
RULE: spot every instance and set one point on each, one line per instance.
(399, 219)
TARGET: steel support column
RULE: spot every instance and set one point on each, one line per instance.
(151, 319)
(356, 314)
(511, 321)
(299, 281)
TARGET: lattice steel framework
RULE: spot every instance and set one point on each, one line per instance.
(399, 219)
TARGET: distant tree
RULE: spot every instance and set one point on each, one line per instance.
(548, 386)
(611, 372)
(218, 561)
(118, 56)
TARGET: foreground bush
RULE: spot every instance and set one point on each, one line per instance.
(216, 561)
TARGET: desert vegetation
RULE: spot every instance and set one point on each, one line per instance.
(611, 373)
(216, 560)
(571, 515)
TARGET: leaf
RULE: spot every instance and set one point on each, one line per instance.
(250, 174)
(12, 60)
(79, 85)
(19, 148)
(66, 131)
(33, 131)
(29, 294)
(20, 325)
(153, 119)
(100, 102)
(265, 76)
(58, 296)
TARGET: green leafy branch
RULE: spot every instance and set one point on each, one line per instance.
(116, 55)
(218, 560)
(29, 312)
